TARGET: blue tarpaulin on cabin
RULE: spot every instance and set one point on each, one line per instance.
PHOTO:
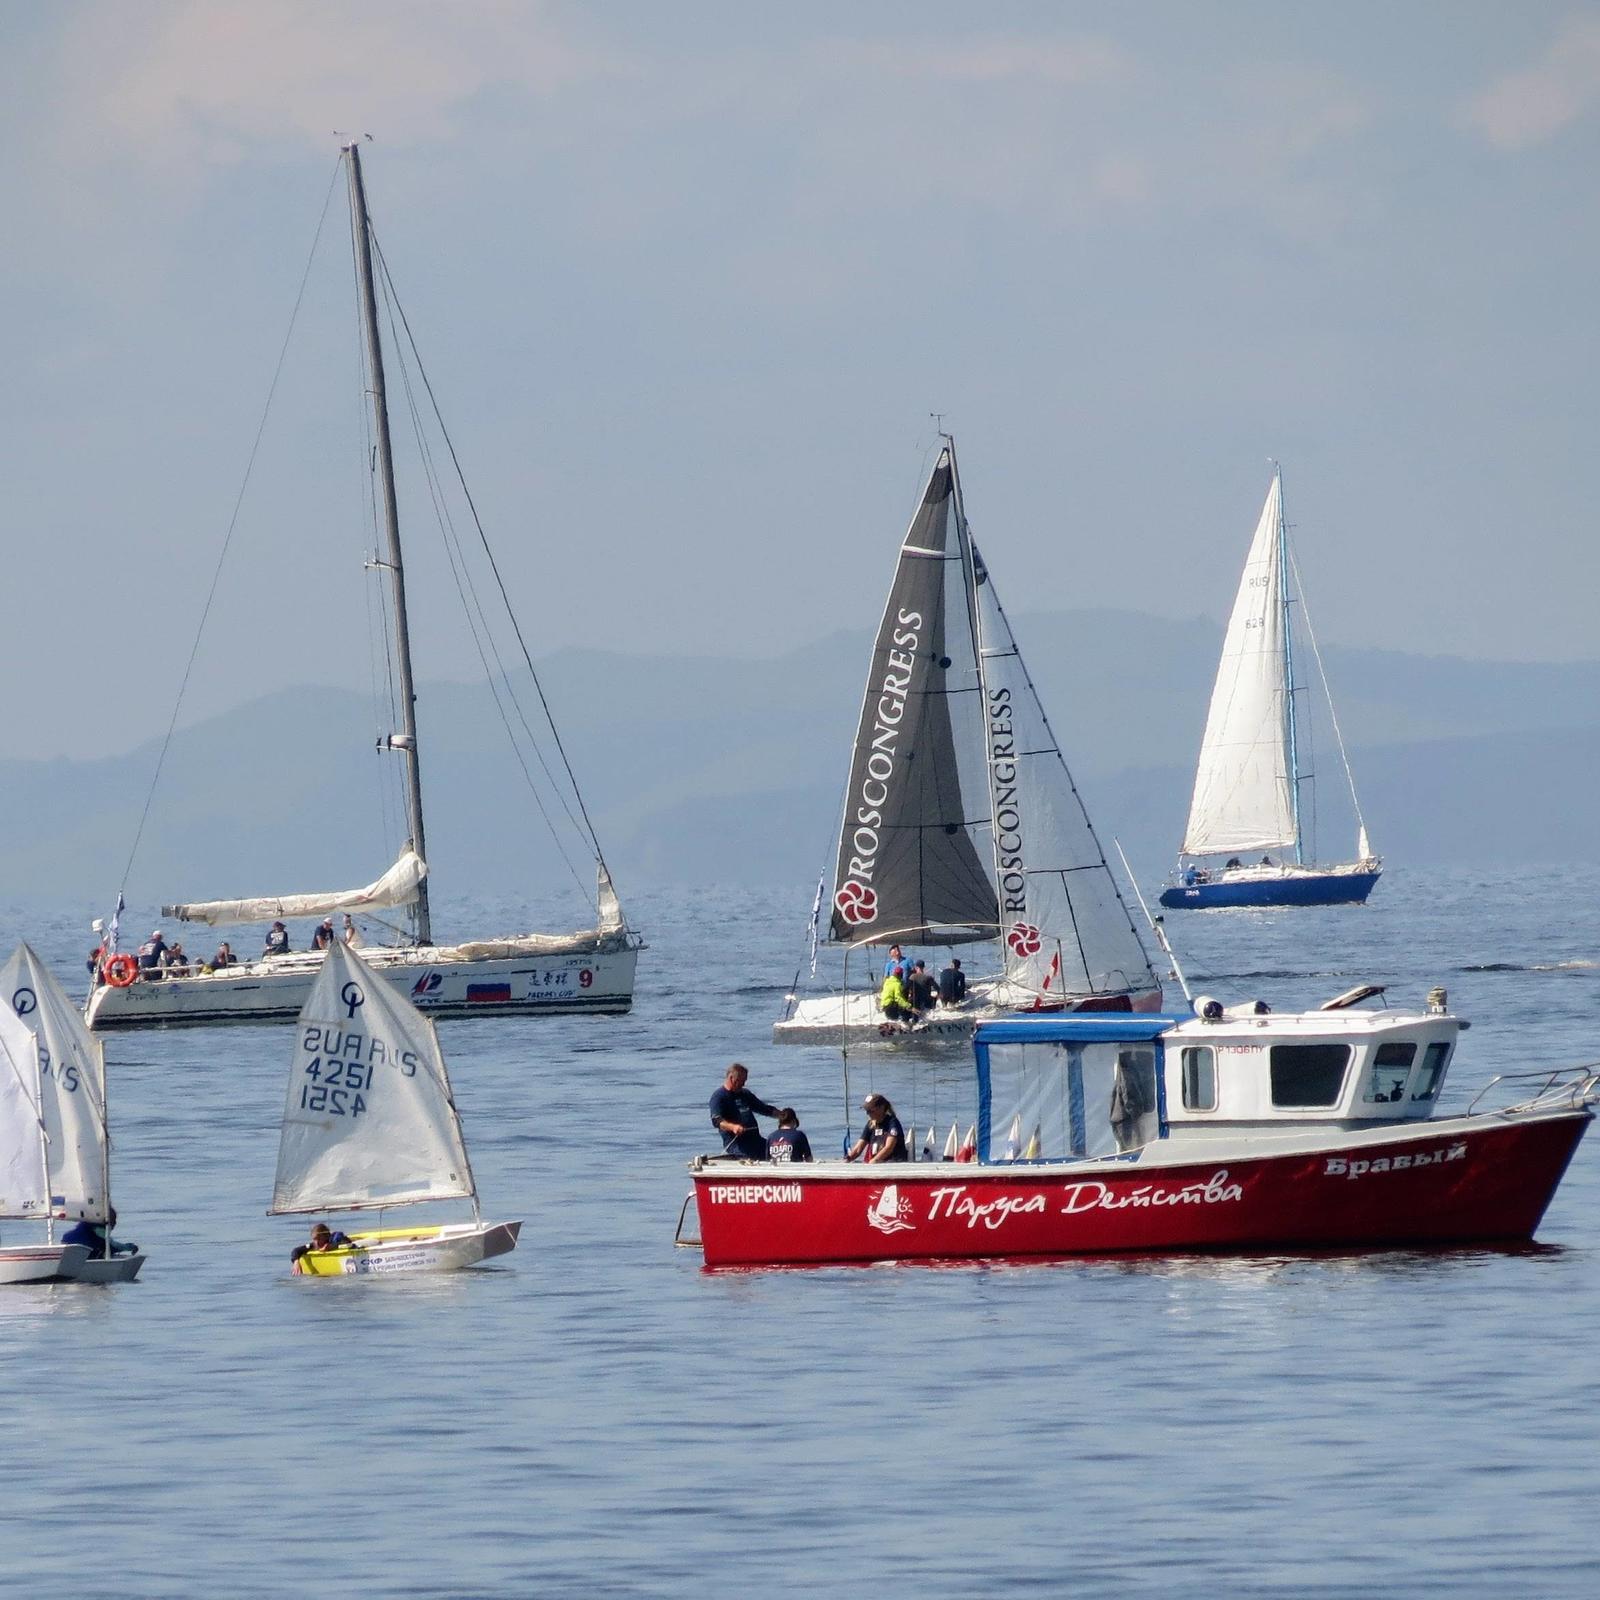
(1090, 1028)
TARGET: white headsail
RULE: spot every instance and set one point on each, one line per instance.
(22, 1177)
(1063, 924)
(368, 1119)
(72, 1086)
(1243, 791)
(397, 887)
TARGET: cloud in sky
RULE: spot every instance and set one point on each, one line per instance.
(1535, 103)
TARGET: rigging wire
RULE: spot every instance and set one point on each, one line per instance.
(227, 541)
(477, 623)
(1333, 715)
(494, 567)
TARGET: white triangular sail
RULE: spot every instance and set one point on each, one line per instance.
(1063, 923)
(1243, 786)
(22, 1180)
(397, 887)
(72, 1092)
(368, 1119)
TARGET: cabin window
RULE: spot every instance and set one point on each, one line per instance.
(1386, 1078)
(1433, 1065)
(1306, 1075)
(1199, 1078)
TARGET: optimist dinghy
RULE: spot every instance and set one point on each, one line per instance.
(55, 1162)
(370, 1124)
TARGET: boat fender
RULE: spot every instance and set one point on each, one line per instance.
(120, 971)
(1248, 1008)
(1207, 1008)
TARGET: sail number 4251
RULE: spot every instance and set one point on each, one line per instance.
(336, 1086)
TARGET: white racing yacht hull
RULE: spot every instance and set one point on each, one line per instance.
(40, 1263)
(439, 982)
(445, 1249)
(835, 1019)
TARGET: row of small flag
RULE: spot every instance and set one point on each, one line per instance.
(959, 1149)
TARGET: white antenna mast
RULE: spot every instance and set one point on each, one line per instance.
(1155, 924)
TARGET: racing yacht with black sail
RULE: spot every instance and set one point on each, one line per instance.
(961, 823)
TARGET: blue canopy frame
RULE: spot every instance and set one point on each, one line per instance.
(1071, 1029)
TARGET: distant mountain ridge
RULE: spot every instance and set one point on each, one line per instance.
(708, 770)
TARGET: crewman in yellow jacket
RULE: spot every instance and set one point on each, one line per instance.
(893, 1001)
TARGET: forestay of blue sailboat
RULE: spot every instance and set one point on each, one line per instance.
(1244, 844)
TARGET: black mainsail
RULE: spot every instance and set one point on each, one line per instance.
(910, 864)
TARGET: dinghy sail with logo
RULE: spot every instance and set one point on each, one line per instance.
(370, 1123)
(961, 822)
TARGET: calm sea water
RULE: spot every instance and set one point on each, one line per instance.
(601, 1416)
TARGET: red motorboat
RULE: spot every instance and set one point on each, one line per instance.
(1215, 1132)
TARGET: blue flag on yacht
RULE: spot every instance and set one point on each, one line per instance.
(816, 919)
(116, 924)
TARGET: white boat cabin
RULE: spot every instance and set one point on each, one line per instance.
(1074, 1087)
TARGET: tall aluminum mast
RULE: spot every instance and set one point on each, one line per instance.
(407, 742)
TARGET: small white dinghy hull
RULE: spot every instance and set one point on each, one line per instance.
(405, 1250)
(40, 1263)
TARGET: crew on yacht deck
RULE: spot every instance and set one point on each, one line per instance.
(734, 1109)
(277, 941)
(883, 1138)
(952, 984)
(323, 937)
(152, 953)
(893, 1001)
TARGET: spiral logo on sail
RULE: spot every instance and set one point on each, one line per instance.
(856, 902)
(1023, 939)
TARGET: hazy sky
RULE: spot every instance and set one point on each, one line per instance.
(690, 279)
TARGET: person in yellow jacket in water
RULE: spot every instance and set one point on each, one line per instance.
(893, 1001)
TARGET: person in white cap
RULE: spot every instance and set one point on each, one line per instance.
(97, 955)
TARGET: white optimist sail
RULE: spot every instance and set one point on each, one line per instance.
(1063, 924)
(397, 887)
(72, 1087)
(368, 1119)
(23, 1189)
(1243, 788)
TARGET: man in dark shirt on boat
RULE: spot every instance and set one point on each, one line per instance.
(277, 940)
(733, 1114)
(152, 955)
(952, 984)
(923, 988)
(883, 1139)
(789, 1143)
(224, 956)
(324, 936)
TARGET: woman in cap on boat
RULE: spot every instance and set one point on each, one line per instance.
(883, 1139)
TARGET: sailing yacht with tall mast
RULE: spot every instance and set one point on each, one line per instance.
(590, 970)
(1248, 783)
(961, 822)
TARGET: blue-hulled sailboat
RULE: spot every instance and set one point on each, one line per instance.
(1244, 842)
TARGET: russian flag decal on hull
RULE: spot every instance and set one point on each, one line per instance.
(479, 993)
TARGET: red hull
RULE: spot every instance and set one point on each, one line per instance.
(1457, 1181)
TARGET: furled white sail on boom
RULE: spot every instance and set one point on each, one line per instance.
(397, 887)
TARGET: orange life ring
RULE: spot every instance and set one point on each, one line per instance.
(120, 971)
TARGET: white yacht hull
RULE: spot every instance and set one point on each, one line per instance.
(835, 1019)
(437, 980)
(40, 1263)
